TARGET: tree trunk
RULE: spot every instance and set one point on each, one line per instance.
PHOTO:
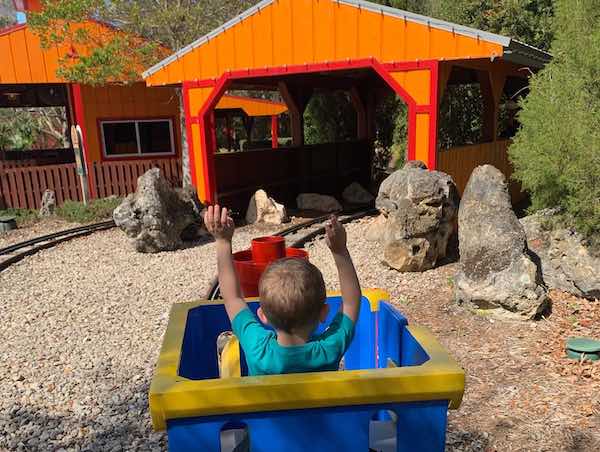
(185, 156)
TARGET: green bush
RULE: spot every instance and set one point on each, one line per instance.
(96, 210)
(556, 153)
(22, 216)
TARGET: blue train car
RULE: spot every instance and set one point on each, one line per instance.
(393, 394)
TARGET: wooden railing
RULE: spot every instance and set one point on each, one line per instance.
(460, 162)
(23, 187)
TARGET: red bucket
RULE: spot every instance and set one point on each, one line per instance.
(297, 253)
(268, 249)
(249, 272)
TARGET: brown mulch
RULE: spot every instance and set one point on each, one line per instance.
(522, 392)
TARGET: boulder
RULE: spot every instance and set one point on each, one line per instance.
(263, 209)
(157, 217)
(376, 229)
(418, 164)
(496, 270)
(419, 207)
(567, 262)
(320, 203)
(48, 206)
(356, 194)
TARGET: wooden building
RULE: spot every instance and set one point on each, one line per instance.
(298, 47)
(127, 128)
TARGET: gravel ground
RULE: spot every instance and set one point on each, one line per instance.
(35, 229)
(81, 330)
(82, 326)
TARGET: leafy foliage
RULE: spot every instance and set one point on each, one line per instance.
(556, 153)
(22, 216)
(96, 210)
(33, 128)
(329, 117)
(143, 32)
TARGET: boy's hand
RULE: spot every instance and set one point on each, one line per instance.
(219, 223)
(336, 236)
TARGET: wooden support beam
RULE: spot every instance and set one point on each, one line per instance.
(274, 131)
(361, 113)
(296, 98)
(445, 69)
(491, 84)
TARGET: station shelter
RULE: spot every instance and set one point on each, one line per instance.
(126, 127)
(299, 47)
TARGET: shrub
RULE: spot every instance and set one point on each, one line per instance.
(556, 153)
(22, 216)
(96, 210)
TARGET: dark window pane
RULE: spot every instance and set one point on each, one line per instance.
(155, 137)
(120, 138)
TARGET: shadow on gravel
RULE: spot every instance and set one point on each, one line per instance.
(119, 427)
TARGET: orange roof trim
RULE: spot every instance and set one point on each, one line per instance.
(276, 33)
(251, 106)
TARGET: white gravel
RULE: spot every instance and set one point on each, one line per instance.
(35, 229)
(82, 325)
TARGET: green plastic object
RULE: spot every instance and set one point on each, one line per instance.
(578, 347)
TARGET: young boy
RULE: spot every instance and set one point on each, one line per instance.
(292, 301)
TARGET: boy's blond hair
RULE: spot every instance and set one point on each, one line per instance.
(292, 294)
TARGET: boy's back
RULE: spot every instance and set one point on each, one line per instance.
(265, 356)
(292, 301)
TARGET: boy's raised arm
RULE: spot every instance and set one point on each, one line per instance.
(221, 226)
(349, 285)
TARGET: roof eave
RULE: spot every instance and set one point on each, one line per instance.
(526, 55)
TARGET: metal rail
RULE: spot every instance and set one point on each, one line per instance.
(19, 251)
(346, 217)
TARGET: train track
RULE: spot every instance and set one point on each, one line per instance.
(299, 235)
(14, 253)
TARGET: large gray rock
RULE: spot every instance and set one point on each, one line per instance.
(357, 194)
(157, 217)
(320, 203)
(567, 262)
(496, 268)
(263, 209)
(419, 207)
(48, 205)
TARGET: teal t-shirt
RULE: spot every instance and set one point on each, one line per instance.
(265, 356)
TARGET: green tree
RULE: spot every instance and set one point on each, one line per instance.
(329, 117)
(556, 153)
(145, 32)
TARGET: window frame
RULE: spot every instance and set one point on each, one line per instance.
(139, 154)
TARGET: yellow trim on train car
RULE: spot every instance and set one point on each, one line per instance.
(175, 397)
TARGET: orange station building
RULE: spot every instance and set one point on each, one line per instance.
(130, 123)
(298, 47)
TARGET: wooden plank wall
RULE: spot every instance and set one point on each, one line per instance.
(23, 187)
(460, 162)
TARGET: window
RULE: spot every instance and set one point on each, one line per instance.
(137, 137)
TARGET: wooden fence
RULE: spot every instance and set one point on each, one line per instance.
(120, 178)
(460, 162)
(23, 187)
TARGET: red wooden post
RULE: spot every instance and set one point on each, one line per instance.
(274, 131)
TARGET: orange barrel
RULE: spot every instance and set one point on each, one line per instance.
(249, 272)
(268, 249)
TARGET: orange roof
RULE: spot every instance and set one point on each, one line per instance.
(276, 33)
(24, 60)
(251, 106)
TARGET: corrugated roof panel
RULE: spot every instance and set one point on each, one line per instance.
(288, 32)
